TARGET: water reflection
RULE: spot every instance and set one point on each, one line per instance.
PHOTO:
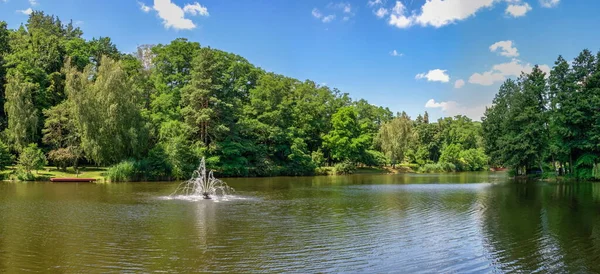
(468, 222)
(550, 228)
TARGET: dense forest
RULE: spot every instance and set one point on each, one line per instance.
(544, 123)
(153, 114)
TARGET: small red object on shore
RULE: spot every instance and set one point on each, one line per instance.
(72, 180)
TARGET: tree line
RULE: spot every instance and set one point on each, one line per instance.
(548, 122)
(154, 113)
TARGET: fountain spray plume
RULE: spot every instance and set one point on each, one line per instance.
(203, 185)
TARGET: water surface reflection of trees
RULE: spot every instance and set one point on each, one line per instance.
(540, 227)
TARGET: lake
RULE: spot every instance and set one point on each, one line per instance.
(411, 223)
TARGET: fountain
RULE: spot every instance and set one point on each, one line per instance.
(203, 185)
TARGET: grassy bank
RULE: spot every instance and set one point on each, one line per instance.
(52, 172)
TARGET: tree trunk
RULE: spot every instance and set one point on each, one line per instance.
(570, 163)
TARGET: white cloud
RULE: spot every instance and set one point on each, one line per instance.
(33, 2)
(396, 53)
(195, 9)
(435, 75)
(500, 72)
(507, 48)
(432, 104)
(173, 16)
(518, 10)
(375, 2)
(345, 7)
(143, 7)
(316, 13)
(341, 10)
(398, 17)
(549, 3)
(438, 13)
(381, 12)
(488, 78)
(459, 83)
(78, 23)
(328, 18)
(452, 108)
(26, 12)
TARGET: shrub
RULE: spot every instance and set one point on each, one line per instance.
(344, 168)
(124, 171)
(317, 157)
(451, 154)
(473, 159)
(323, 170)
(156, 166)
(23, 175)
(32, 158)
(439, 167)
(374, 158)
(429, 168)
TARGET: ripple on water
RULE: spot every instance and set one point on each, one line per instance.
(366, 228)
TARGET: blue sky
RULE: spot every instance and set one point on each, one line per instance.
(450, 55)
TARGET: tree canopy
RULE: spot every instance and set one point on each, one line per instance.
(163, 107)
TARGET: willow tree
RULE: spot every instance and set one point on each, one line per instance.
(22, 113)
(394, 138)
(107, 112)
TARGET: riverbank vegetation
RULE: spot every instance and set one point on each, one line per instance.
(549, 122)
(152, 114)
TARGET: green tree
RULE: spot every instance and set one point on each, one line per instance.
(346, 140)
(6, 158)
(63, 157)
(394, 138)
(32, 158)
(4, 49)
(108, 115)
(21, 111)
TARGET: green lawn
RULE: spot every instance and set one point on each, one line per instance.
(53, 172)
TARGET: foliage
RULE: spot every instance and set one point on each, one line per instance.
(22, 114)
(62, 157)
(108, 113)
(6, 159)
(439, 167)
(345, 140)
(344, 168)
(394, 138)
(539, 120)
(124, 171)
(32, 158)
(153, 114)
(473, 159)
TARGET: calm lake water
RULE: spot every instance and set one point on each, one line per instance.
(469, 222)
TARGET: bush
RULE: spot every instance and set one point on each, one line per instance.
(439, 167)
(451, 154)
(32, 158)
(344, 168)
(323, 170)
(429, 168)
(473, 159)
(156, 166)
(317, 157)
(374, 158)
(122, 172)
(23, 175)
